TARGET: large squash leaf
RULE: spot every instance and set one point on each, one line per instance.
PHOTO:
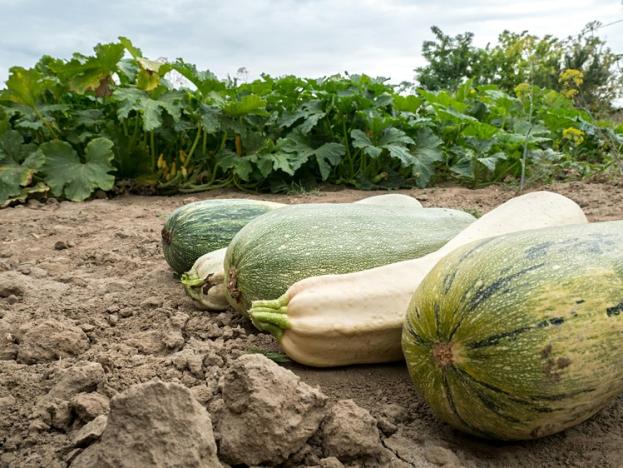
(19, 162)
(151, 110)
(426, 153)
(67, 175)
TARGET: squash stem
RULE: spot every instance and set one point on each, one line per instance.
(270, 319)
(192, 292)
(276, 304)
(191, 279)
(192, 284)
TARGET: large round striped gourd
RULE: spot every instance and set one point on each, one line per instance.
(204, 226)
(521, 336)
(295, 242)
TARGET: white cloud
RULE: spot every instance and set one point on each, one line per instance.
(302, 37)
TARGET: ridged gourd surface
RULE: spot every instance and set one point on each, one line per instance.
(521, 336)
(281, 247)
(201, 227)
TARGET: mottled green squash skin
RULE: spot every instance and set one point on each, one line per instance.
(201, 227)
(521, 336)
(281, 247)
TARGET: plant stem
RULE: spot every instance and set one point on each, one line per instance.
(152, 149)
(524, 158)
(192, 148)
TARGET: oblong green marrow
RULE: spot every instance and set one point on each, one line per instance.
(204, 281)
(204, 226)
(521, 336)
(295, 242)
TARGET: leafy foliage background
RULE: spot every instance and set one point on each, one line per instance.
(70, 127)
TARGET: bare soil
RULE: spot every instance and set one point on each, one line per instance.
(88, 282)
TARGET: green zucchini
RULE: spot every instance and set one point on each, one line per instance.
(286, 245)
(204, 226)
(520, 336)
(204, 281)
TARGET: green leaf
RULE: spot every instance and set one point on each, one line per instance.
(240, 166)
(265, 164)
(128, 70)
(25, 86)
(383, 100)
(311, 112)
(518, 139)
(243, 168)
(426, 153)
(296, 151)
(490, 162)
(206, 82)
(480, 130)
(363, 142)
(23, 194)
(310, 122)
(286, 162)
(150, 73)
(249, 104)
(401, 153)
(395, 136)
(13, 148)
(328, 155)
(4, 120)
(92, 73)
(14, 176)
(137, 100)
(443, 100)
(296, 143)
(455, 116)
(135, 52)
(464, 168)
(210, 118)
(88, 118)
(67, 175)
(410, 103)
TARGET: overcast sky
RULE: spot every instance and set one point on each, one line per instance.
(303, 37)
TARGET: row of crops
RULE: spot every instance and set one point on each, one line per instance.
(71, 127)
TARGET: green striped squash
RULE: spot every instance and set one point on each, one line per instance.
(286, 245)
(521, 336)
(203, 226)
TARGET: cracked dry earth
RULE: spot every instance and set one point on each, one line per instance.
(105, 362)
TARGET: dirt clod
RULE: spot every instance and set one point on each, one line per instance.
(330, 462)
(84, 376)
(151, 302)
(394, 412)
(154, 424)
(441, 456)
(90, 432)
(386, 427)
(268, 412)
(61, 245)
(88, 406)
(8, 341)
(11, 289)
(350, 431)
(407, 450)
(48, 340)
